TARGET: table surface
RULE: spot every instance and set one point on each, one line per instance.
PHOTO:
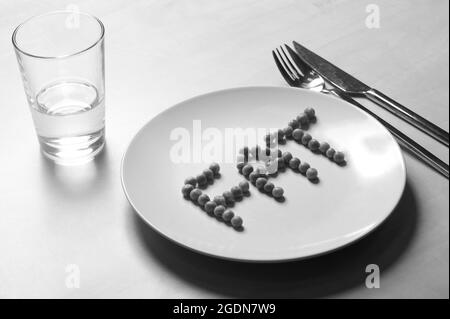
(159, 53)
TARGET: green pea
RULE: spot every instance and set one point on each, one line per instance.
(312, 173)
(245, 186)
(187, 189)
(294, 163)
(298, 134)
(253, 177)
(286, 156)
(209, 174)
(195, 194)
(269, 187)
(260, 182)
(311, 114)
(247, 169)
(313, 145)
(330, 153)
(303, 167)
(277, 192)
(203, 199)
(237, 192)
(228, 197)
(210, 206)
(293, 123)
(288, 131)
(339, 157)
(261, 171)
(306, 138)
(236, 221)
(215, 167)
(220, 200)
(219, 210)
(202, 180)
(303, 120)
(191, 180)
(324, 147)
(228, 215)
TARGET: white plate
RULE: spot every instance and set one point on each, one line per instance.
(348, 203)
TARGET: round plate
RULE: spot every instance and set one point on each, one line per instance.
(315, 218)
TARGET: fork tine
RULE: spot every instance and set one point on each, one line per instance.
(295, 69)
(301, 65)
(286, 75)
(291, 71)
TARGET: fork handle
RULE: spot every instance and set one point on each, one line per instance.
(416, 149)
(409, 116)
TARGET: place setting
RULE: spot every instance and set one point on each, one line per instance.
(337, 166)
(293, 172)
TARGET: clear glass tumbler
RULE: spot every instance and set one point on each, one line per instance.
(61, 59)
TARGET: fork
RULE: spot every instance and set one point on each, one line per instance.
(302, 76)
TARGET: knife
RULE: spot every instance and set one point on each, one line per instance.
(353, 87)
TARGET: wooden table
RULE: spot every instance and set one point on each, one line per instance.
(56, 222)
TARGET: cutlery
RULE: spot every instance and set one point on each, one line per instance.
(353, 87)
(302, 76)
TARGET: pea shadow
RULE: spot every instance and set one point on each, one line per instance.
(317, 277)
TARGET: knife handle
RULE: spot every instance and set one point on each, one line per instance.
(409, 116)
(413, 147)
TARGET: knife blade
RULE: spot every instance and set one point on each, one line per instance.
(330, 72)
(354, 87)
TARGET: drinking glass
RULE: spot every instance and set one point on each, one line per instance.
(61, 60)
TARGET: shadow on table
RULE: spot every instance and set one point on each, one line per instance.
(76, 182)
(312, 278)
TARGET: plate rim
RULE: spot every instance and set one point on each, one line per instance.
(360, 236)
